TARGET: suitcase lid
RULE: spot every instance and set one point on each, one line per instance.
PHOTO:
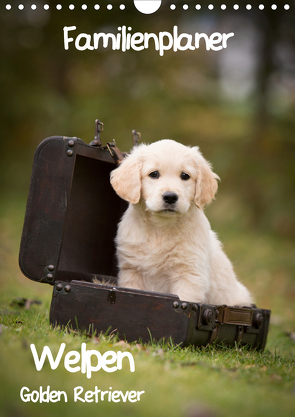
(72, 211)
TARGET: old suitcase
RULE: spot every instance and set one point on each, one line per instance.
(68, 239)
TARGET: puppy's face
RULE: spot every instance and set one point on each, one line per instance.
(167, 176)
(168, 179)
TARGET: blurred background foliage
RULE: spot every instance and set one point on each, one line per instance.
(237, 104)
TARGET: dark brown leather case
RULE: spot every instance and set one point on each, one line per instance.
(68, 239)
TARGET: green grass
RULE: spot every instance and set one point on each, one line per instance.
(213, 381)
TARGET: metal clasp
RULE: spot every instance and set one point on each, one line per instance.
(115, 152)
(98, 128)
(136, 137)
(110, 147)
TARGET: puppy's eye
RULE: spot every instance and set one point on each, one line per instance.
(184, 176)
(154, 174)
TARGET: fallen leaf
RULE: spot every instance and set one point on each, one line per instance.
(292, 336)
(137, 346)
(159, 352)
(198, 410)
(2, 327)
(24, 302)
(123, 344)
(275, 377)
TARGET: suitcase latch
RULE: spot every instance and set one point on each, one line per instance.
(240, 316)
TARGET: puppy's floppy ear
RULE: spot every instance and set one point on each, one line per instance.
(126, 179)
(206, 186)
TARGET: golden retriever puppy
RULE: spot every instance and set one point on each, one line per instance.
(164, 240)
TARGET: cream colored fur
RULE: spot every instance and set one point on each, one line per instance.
(172, 251)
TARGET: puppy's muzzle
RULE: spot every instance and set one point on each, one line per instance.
(170, 198)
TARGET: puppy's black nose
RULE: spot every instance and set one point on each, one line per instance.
(169, 197)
